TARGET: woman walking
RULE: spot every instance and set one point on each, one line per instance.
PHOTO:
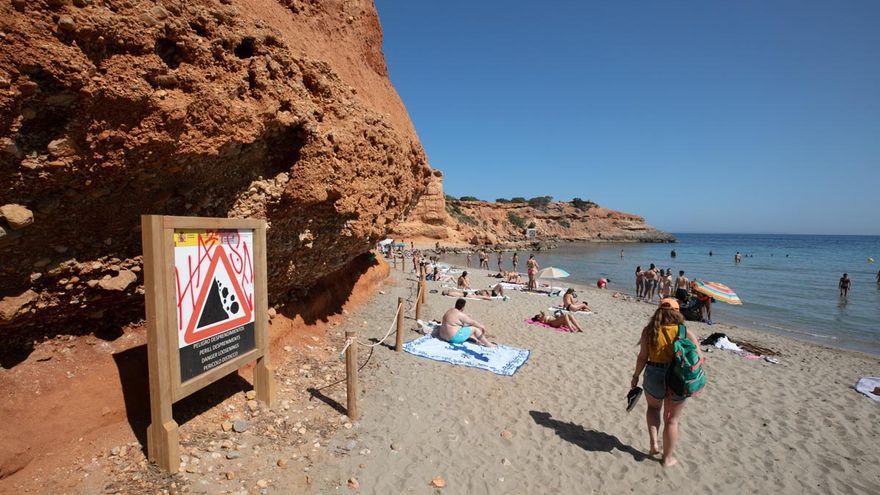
(655, 356)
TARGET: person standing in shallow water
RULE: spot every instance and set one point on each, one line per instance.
(500, 261)
(469, 260)
(515, 260)
(655, 356)
(640, 282)
(844, 285)
(738, 258)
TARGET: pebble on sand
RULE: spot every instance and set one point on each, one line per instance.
(438, 482)
(353, 483)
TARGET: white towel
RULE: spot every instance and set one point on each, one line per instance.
(727, 345)
(867, 384)
(559, 308)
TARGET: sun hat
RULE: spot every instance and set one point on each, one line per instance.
(669, 303)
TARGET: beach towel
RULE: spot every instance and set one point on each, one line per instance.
(540, 324)
(471, 297)
(867, 384)
(554, 309)
(501, 360)
(546, 291)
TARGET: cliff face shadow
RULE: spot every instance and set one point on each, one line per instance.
(591, 440)
(135, 382)
(331, 292)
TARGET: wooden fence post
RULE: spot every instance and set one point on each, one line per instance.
(351, 376)
(399, 345)
(423, 283)
(419, 303)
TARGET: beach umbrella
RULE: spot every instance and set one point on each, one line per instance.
(552, 272)
(717, 290)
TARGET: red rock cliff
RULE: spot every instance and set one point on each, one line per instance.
(111, 109)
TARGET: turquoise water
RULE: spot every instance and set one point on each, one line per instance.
(795, 295)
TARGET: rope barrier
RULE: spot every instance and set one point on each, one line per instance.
(350, 341)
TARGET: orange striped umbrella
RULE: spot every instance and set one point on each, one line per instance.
(717, 290)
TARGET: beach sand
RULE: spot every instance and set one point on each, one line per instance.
(559, 424)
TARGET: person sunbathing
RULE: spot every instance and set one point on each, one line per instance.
(560, 321)
(487, 294)
(569, 303)
(514, 278)
(457, 327)
(463, 281)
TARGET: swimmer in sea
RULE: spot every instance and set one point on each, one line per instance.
(844, 285)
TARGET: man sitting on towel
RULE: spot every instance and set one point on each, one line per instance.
(457, 327)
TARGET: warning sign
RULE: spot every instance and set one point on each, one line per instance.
(214, 275)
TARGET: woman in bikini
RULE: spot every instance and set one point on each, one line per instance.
(532, 266)
(569, 303)
(515, 261)
(560, 321)
(640, 282)
(463, 281)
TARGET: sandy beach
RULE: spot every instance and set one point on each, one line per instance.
(559, 425)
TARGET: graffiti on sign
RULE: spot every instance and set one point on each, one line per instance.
(214, 277)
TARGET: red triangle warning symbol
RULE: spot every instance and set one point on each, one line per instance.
(218, 308)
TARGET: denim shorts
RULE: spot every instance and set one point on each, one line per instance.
(655, 383)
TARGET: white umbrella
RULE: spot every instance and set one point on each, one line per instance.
(552, 272)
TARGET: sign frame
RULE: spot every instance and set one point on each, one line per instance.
(163, 352)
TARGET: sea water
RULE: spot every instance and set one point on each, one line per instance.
(788, 283)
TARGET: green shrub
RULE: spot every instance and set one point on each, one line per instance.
(470, 198)
(502, 200)
(565, 223)
(518, 199)
(583, 205)
(540, 202)
(451, 199)
(517, 221)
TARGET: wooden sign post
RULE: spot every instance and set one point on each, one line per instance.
(207, 314)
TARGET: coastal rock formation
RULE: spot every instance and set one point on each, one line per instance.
(436, 218)
(429, 218)
(275, 109)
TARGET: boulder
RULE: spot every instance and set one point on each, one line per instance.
(17, 216)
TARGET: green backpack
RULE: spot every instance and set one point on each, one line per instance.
(685, 375)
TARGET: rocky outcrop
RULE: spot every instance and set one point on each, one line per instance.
(429, 218)
(108, 110)
(506, 223)
(456, 222)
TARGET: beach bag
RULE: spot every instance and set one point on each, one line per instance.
(685, 376)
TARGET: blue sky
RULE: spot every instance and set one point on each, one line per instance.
(702, 116)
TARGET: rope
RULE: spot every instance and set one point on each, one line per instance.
(350, 340)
